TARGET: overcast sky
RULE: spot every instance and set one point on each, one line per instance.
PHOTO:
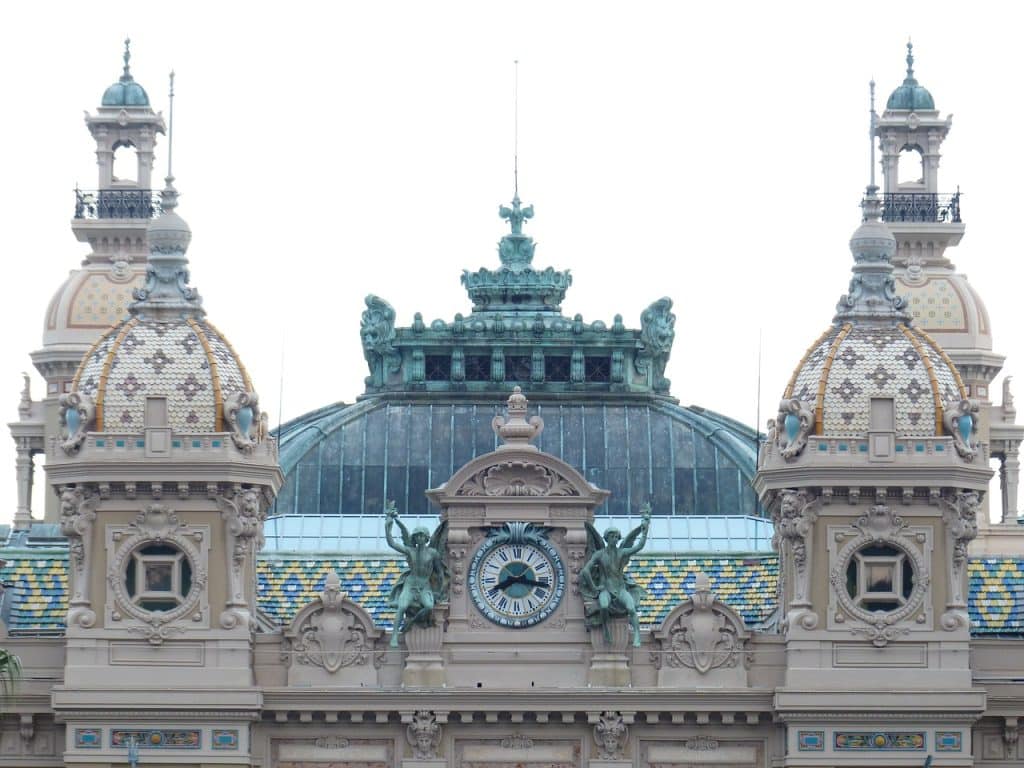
(711, 152)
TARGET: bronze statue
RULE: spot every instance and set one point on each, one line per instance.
(607, 592)
(425, 580)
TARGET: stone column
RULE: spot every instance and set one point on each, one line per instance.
(1009, 479)
(24, 472)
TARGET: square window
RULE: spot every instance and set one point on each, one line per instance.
(597, 369)
(518, 368)
(438, 367)
(478, 367)
(556, 369)
(158, 577)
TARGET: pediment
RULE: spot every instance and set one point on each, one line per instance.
(511, 473)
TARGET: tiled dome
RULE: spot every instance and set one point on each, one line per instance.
(187, 361)
(851, 363)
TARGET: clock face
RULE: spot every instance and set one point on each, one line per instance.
(517, 584)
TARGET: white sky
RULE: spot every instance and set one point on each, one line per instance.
(711, 152)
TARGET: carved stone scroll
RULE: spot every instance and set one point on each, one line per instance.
(331, 632)
(794, 516)
(961, 518)
(243, 512)
(77, 515)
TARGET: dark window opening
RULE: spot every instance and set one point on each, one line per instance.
(518, 368)
(478, 367)
(438, 367)
(556, 369)
(597, 369)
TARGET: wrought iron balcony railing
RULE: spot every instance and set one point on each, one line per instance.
(921, 206)
(117, 204)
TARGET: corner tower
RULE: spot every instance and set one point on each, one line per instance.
(926, 218)
(873, 474)
(112, 220)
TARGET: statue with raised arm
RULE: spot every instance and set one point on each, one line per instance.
(607, 592)
(424, 582)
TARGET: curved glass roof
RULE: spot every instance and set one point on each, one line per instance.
(349, 460)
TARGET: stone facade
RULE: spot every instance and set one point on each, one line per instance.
(873, 473)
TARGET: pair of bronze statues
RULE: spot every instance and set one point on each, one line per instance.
(608, 593)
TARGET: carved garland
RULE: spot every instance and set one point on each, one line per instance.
(517, 478)
(157, 523)
(880, 526)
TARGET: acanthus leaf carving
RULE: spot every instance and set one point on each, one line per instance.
(961, 518)
(243, 511)
(517, 477)
(793, 516)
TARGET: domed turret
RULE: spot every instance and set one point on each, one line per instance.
(911, 95)
(164, 349)
(125, 92)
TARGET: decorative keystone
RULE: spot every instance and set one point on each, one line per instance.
(513, 428)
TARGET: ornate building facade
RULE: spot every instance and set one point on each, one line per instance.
(516, 548)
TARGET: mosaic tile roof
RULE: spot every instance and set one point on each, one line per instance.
(36, 587)
(850, 364)
(949, 307)
(187, 361)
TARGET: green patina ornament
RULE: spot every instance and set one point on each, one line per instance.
(608, 593)
(424, 582)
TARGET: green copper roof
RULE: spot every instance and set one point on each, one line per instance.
(516, 334)
(910, 95)
(125, 92)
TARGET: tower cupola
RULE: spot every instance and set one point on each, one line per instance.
(911, 95)
(126, 92)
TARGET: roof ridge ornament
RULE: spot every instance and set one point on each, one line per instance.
(513, 428)
(910, 64)
(166, 293)
(126, 76)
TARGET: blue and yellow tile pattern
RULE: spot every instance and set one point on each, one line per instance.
(36, 587)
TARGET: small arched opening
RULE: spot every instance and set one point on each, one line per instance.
(910, 170)
(126, 163)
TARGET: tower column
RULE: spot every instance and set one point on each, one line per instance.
(1009, 482)
(24, 472)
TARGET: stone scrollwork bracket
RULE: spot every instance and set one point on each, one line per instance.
(331, 631)
(76, 416)
(961, 518)
(77, 515)
(243, 512)
(702, 632)
(241, 410)
(960, 418)
(794, 515)
(792, 427)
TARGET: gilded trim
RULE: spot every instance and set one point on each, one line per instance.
(803, 360)
(238, 361)
(926, 359)
(218, 396)
(92, 350)
(101, 391)
(946, 359)
(819, 402)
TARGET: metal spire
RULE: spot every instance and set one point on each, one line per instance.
(910, 60)
(871, 133)
(170, 125)
(127, 74)
(515, 150)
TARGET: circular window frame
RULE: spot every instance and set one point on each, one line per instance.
(913, 603)
(125, 559)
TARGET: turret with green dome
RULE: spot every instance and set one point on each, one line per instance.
(911, 95)
(126, 92)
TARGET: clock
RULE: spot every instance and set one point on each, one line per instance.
(517, 577)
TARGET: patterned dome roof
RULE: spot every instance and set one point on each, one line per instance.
(91, 299)
(188, 361)
(850, 364)
(871, 351)
(948, 307)
(165, 348)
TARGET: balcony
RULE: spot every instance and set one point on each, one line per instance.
(928, 207)
(117, 204)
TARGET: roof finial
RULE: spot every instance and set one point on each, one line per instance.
(515, 149)
(127, 75)
(871, 135)
(169, 196)
(910, 61)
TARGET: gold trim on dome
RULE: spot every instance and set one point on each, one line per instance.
(819, 402)
(218, 397)
(947, 360)
(238, 361)
(916, 343)
(803, 360)
(101, 390)
(76, 379)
